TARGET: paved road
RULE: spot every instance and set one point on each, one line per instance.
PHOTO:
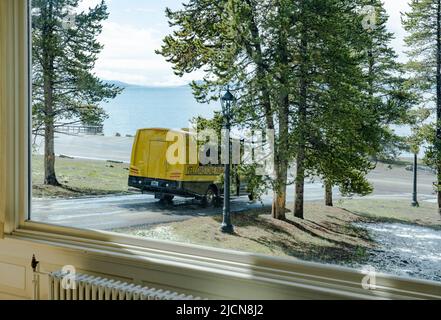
(106, 213)
(111, 212)
(90, 147)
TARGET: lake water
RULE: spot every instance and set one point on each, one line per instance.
(145, 107)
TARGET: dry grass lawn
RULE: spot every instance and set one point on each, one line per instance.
(80, 178)
(398, 210)
(326, 236)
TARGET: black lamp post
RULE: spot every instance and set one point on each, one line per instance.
(227, 101)
(415, 181)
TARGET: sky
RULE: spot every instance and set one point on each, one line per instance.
(135, 29)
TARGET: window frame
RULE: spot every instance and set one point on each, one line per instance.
(15, 80)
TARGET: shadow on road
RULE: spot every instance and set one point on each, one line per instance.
(186, 207)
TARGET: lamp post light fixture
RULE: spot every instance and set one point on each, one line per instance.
(227, 102)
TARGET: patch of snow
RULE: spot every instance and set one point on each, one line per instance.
(405, 250)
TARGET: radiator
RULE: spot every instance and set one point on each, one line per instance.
(87, 287)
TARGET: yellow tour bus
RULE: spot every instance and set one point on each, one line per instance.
(152, 173)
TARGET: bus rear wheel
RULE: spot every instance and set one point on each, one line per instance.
(210, 199)
(166, 199)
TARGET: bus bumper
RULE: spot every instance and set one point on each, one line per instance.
(154, 185)
(168, 187)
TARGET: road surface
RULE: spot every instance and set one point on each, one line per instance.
(110, 212)
(90, 147)
(106, 213)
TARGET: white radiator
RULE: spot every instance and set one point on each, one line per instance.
(86, 287)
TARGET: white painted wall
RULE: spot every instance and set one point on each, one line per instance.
(16, 274)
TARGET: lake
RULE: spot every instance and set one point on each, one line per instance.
(145, 107)
(171, 107)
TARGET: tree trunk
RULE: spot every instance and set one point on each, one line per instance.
(301, 152)
(328, 194)
(254, 50)
(300, 186)
(50, 177)
(279, 201)
(371, 63)
(283, 117)
(279, 204)
(438, 103)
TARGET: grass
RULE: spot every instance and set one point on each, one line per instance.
(327, 236)
(80, 178)
(398, 162)
(394, 211)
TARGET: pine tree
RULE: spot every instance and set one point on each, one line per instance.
(384, 100)
(331, 119)
(64, 52)
(386, 94)
(423, 23)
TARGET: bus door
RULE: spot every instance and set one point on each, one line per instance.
(157, 162)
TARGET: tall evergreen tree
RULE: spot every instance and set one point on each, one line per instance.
(334, 131)
(423, 23)
(65, 90)
(383, 97)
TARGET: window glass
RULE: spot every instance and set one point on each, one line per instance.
(259, 126)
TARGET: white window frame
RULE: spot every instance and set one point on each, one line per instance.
(326, 281)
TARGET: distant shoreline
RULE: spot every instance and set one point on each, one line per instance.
(102, 148)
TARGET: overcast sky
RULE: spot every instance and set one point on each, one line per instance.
(135, 29)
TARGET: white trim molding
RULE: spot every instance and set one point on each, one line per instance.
(14, 111)
(2, 118)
